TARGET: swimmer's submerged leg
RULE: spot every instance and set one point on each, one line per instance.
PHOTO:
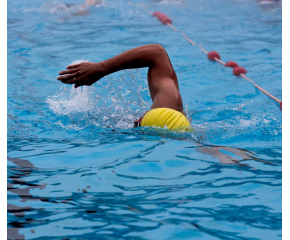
(214, 151)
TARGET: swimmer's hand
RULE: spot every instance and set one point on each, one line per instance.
(85, 73)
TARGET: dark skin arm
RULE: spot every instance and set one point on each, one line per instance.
(162, 80)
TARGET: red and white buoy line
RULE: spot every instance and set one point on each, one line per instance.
(212, 55)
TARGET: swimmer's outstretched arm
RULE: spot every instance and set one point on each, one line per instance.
(162, 80)
(87, 73)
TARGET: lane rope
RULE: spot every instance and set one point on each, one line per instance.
(212, 55)
(188, 38)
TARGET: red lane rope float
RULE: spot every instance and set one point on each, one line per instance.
(237, 71)
(231, 64)
(164, 19)
(212, 55)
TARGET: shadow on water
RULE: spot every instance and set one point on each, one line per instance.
(17, 186)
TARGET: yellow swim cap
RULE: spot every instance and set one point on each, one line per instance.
(161, 117)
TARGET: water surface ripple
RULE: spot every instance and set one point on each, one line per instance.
(76, 169)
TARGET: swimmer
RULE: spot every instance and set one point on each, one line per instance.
(88, 3)
(167, 107)
(269, 1)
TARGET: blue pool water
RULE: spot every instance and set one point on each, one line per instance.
(76, 169)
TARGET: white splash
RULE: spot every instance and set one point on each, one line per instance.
(108, 103)
(55, 7)
(173, 2)
(76, 100)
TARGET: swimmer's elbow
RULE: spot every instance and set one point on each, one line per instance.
(158, 54)
(159, 50)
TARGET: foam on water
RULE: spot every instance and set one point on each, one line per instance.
(121, 104)
(56, 7)
(170, 2)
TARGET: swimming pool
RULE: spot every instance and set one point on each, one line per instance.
(78, 170)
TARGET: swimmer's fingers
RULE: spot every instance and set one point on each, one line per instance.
(65, 72)
(81, 82)
(73, 66)
(78, 81)
(78, 85)
(68, 76)
(71, 81)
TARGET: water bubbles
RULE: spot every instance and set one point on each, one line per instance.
(171, 2)
(114, 103)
